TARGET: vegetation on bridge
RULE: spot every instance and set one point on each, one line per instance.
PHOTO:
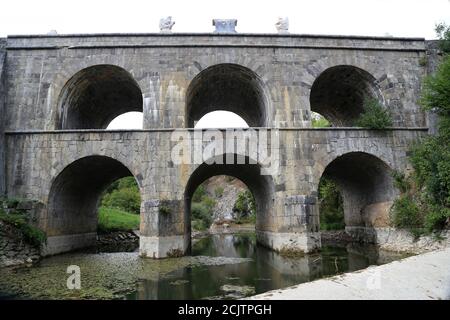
(374, 115)
(424, 204)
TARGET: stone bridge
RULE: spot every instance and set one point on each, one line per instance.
(59, 93)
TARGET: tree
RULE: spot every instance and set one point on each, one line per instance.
(431, 158)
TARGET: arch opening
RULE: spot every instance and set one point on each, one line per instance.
(260, 186)
(220, 119)
(227, 87)
(363, 185)
(222, 201)
(96, 95)
(75, 197)
(128, 120)
(339, 93)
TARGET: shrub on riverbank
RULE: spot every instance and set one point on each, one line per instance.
(425, 202)
(330, 206)
(19, 221)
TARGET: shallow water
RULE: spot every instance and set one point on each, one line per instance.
(221, 267)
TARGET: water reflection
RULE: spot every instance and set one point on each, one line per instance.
(267, 270)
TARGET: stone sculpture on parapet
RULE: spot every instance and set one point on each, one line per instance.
(282, 25)
(225, 25)
(166, 24)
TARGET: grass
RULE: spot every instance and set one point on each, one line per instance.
(110, 219)
(250, 219)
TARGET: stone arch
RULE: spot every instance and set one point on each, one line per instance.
(95, 95)
(261, 186)
(338, 93)
(366, 185)
(229, 87)
(74, 198)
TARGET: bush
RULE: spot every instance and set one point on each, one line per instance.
(199, 193)
(245, 204)
(443, 32)
(123, 194)
(31, 234)
(374, 115)
(201, 216)
(406, 213)
(330, 206)
(425, 200)
(320, 122)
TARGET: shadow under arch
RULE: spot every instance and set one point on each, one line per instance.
(95, 95)
(261, 186)
(74, 198)
(228, 87)
(366, 185)
(338, 94)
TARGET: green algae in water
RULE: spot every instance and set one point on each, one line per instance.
(218, 261)
(103, 276)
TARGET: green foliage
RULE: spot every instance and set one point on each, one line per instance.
(443, 32)
(374, 115)
(406, 213)
(320, 122)
(423, 61)
(436, 90)
(245, 204)
(219, 192)
(111, 219)
(164, 208)
(249, 219)
(401, 182)
(330, 206)
(123, 194)
(31, 234)
(199, 193)
(201, 216)
(202, 208)
(431, 158)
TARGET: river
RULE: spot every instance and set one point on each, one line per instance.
(226, 266)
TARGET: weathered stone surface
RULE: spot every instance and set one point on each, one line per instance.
(81, 82)
(14, 249)
(377, 215)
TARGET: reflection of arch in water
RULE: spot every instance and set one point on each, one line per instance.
(261, 186)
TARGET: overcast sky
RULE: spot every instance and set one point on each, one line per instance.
(413, 18)
(402, 18)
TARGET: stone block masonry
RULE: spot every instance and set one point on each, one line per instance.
(58, 93)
